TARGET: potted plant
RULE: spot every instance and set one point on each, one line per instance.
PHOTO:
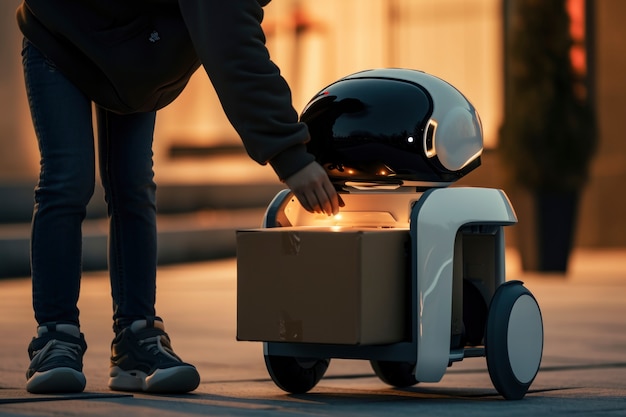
(548, 136)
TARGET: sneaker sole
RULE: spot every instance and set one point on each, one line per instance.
(178, 379)
(57, 380)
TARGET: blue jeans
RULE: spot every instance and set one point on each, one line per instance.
(62, 118)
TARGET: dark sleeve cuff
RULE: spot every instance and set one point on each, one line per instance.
(290, 161)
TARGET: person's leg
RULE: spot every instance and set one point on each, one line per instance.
(61, 117)
(142, 358)
(125, 152)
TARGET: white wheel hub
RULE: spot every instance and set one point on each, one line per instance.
(525, 338)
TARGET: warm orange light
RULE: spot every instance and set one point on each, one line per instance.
(576, 11)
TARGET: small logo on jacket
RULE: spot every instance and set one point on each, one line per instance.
(154, 36)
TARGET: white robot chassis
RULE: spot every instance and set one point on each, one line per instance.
(445, 240)
(461, 305)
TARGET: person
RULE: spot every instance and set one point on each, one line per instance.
(230, 44)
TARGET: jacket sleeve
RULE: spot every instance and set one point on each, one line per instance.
(256, 99)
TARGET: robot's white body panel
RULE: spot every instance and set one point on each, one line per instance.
(437, 220)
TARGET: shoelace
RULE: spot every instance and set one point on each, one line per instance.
(54, 349)
(155, 346)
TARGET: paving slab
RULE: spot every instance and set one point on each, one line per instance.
(583, 370)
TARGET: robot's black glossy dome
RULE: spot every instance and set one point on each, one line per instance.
(385, 126)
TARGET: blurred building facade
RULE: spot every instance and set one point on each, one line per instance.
(317, 41)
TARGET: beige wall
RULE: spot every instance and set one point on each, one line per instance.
(18, 148)
(455, 39)
(603, 216)
(458, 40)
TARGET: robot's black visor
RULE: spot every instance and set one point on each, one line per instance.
(371, 129)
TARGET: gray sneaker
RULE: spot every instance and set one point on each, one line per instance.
(56, 360)
(142, 359)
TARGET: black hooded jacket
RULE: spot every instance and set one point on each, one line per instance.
(94, 42)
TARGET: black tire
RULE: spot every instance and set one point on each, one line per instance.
(295, 375)
(396, 374)
(513, 340)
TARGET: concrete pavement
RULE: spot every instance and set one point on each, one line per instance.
(583, 370)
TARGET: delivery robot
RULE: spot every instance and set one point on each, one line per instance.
(392, 142)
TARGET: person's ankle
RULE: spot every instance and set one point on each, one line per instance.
(71, 329)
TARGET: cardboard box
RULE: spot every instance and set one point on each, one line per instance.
(322, 285)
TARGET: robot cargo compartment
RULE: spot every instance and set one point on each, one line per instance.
(323, 285)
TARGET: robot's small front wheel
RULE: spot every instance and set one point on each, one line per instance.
(396, 374)
(513, 340)
(296, 375)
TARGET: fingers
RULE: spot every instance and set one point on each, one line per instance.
(322, 196)
(314, 190)
(309, 202)
(320, 199)
(331, 201)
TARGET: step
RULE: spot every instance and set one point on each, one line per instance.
(17, 198)
(187, 237)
